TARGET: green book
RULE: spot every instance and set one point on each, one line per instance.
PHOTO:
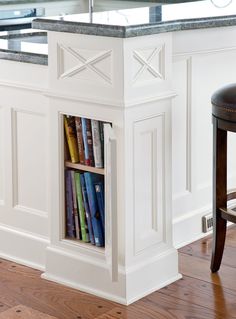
(83, 224)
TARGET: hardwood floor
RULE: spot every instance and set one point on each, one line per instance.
(199, 295)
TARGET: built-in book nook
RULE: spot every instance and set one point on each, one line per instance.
(84, 180)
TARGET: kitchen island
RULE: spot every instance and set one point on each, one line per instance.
(150, 73)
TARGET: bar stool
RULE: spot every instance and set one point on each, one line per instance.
(224, 120)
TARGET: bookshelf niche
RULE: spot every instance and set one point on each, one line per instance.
(84, 181)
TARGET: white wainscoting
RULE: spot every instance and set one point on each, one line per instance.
(196, 75)
(2, 194)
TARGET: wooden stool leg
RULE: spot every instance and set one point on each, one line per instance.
(219, 193)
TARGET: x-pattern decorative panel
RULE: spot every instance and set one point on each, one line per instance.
(85, 64)
(148, 64)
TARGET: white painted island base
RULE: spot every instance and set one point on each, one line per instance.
(125, 82)
(155, 90)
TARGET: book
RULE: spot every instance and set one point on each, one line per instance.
(78, 124)
(87, 211)
(102, 138)
(97, 147)
(88, 141)
(93, 206)
(70, 131)
(69, 206)
(99, 189)
(75, 206)
(83, 225)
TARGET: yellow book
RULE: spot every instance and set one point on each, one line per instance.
(69, 122)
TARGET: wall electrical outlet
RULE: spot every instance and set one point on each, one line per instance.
(207, 223)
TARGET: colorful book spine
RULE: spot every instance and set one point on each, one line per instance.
(83, 225)
(69, 206)
(70, 131)
(102, 139)
(93, 206)
(87, 211)
(75, 206)
(99, 189)
(78, 124)
(97, 147)
(88, 141)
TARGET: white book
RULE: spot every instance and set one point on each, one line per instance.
(97, 147)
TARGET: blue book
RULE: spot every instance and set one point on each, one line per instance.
(87, 211)
(70, 227)
(88, 141)
(94, 210)
(99, 189)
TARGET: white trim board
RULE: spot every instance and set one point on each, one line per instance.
(23, 248)
(188, 228)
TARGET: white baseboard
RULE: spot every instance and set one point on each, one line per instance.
(131, 285)
(23, 248)
(83, 288)
(188, 228)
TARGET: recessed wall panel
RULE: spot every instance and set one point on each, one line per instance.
(29, 161)
(1, 157)
(148, 182)
(219, 73)
(181, 145)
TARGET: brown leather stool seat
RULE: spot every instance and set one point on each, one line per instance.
(224, 103)
(224, 120)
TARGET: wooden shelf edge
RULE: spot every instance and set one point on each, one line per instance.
(85, 168)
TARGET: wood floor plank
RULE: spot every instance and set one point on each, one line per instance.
(200, 269)
(177, 308)
(158, 306)
(203, 249)
(51, 298)
(204, 294)
(22, 312)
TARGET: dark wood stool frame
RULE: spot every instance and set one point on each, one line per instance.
(221, 214)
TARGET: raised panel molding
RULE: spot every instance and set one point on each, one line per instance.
(81, 64)
(148, 64)
(182, 119)
(29, 169)
(148, 183)
(1, 157)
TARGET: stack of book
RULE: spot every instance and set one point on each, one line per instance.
(85, 207)
(85, 140)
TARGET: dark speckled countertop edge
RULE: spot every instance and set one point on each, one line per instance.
(25, 57)
(135, 30)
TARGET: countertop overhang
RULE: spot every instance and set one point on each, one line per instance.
(144, 21)
(28, 46)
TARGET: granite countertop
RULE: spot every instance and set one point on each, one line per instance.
(29, 46)
(145, 21)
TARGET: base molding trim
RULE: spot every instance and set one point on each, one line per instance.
(188, 228)
(131, 285)
(83, 288)
(23, 248)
